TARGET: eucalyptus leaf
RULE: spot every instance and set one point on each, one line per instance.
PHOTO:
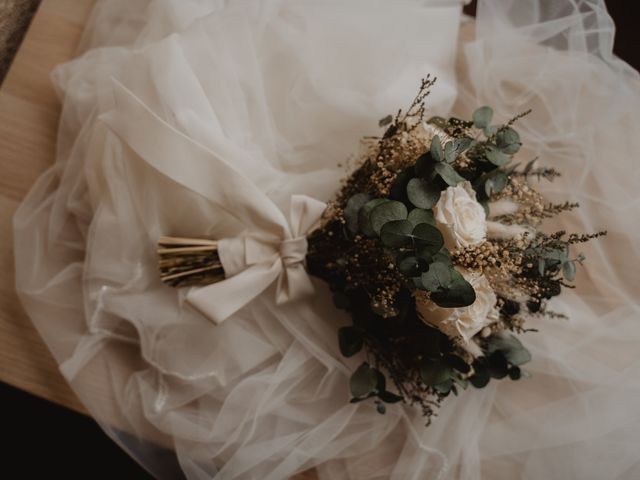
(498, 366)
(508, 140)
(380, 408)
(350, 341)
(436, 149)
(424, 165)
(569, 270)
(426, 236)
(396, 233)
(438, 121)
(385, 121)
(457, 363)
(420, 215)
(434, 372)
(389, 397)
(481, 376)
(450, 152)
(461, 144)
(354, 204)
(482, 117)
(496, 182)
(422, 194)
(443, 257)
(387, 212)
(438, 277)
(364, 216)
(490, 130)
(495, 156)
(459, 293)
(511, 348)
(412, 266)
(398, 189)
(363, 381)
(448, 174)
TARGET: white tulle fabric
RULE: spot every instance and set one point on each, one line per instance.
(282, 91)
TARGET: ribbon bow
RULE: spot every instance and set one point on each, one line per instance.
(273, 247)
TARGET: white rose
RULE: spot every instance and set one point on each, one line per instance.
(460, 218)
(463, 322)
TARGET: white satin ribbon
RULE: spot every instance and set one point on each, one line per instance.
(274, 247)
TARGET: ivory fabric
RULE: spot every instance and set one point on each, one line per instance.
(230, 120)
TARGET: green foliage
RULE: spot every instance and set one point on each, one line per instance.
(482, 117)
(422, 194)
(396, 233)
(512, 349)
(387, 211)
(448, 174)
(350, 341)
(367, 382)
(355, 203)
(420, 215)
(364, 216)
(363, 381)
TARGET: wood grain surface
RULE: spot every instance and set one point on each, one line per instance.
(29, 112)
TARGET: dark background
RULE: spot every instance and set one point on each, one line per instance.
(40, 438)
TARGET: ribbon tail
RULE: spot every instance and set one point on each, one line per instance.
(221, 300)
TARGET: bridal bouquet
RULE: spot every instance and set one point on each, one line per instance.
(434, 246)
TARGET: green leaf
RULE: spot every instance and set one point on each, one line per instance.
(450, 153)
(380, 408)
(515, 373)
(438, 121)
(495, 156)
(422, 194)
(436, 149)
(498, 366)
(490, 130)
(443, 257)
(457, 363)
(396, 233)
(435, 372)
(354, 204)
(445, 387)
(398, 189)
(448, 174)
(364, 216)
(412, 266)
(496, 182)
(389, 397)
(461, 144)
(459, 293)
(482, 117)
(363, 381)
(350, 341)
(508, 141)
(511, 348)
(420, 215)
(427, 237)
(569, 270)
(438, 277)
(386, 212)
(424, 165)
(385, 121)
(481, 377)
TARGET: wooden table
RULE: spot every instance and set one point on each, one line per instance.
(29, 112)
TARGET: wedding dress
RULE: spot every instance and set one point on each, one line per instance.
(282, 91)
